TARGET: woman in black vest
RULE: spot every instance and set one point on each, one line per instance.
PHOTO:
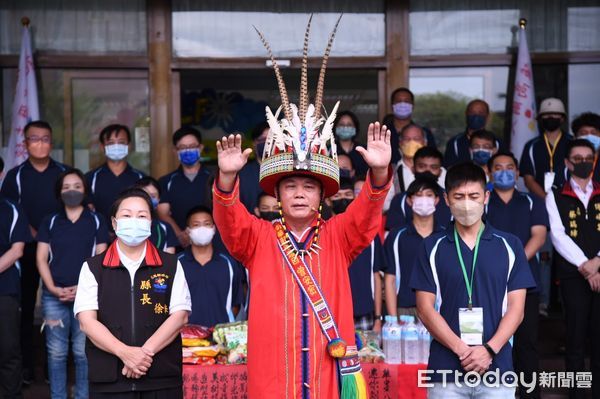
(131, 303)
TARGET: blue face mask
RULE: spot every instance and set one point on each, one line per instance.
(154, 202)
(504, 179)
(475, 122)
(345, 132)
(189, 157)
(481, 157)
(592, 138)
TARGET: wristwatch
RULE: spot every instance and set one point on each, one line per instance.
(489, 349)
(378, 317)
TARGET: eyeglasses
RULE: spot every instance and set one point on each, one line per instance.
(578, 159)
(37, 139)
(187, 147)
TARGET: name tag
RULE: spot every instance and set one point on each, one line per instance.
(471, 325)
(548, 181)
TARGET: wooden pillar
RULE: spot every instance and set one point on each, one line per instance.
(397, 49)
(160, 77)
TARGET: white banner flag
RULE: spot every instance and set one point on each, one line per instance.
(25, 106)
(524, 125)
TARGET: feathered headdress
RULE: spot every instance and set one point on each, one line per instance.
(302, 142)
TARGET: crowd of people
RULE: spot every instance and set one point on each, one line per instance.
(443, 213)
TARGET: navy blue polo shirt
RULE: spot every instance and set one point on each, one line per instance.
(457, 149)
(71, 243)
(33, 190)
(249, 187)
(14, 228)
(362, 282)
(522, 212)
(105, 186)
(501, 267)
(162, 235)
(535, 160)
(400, 214)
(401, 250)
(395, 138)
(215, 287)
(182, 194)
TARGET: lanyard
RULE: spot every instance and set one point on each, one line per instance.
(552, 150)
(468, 283)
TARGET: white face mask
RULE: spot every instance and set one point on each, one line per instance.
(202, 235)
(133, 231)
(116, 152)
(467, 212)
(423, 206)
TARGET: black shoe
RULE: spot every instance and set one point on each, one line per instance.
(27, 377)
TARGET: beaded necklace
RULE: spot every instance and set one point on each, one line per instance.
(291, 246)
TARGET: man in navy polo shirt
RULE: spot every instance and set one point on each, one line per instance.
(470, 283)
(31, 184)
(214, 278)
(457, 148)
(365, 280)
(525, 216)
(428, 164)
(14, 233)
(187, 186)
(116, 174)
(402, 246)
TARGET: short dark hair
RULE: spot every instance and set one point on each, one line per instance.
(257, 130)
(352, 116)
(411, 126)
(422, 183)
(198, 209)
(61, 178)
(428, 152)
(346, 183)
(478, 100)
(463, 173)
(585, 119)
(39, 124)
(261, 195)
(401, 89)
(502, 154)
(131, 193)
(115, 128)
(147, 181)
(186, 131)
(578, 143)
(483, 135)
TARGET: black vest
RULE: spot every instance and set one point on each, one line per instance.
(581, 225)
(132, 315)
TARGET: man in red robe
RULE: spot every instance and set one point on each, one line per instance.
(288, 352)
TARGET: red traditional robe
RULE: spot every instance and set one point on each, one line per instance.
(276, 366)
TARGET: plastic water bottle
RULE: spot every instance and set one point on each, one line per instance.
(425, 341)
(392, 344)
(410, 340)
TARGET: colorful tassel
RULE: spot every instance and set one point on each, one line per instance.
(354, 386)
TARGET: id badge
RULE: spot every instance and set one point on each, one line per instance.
(548, 181)
(471, 325)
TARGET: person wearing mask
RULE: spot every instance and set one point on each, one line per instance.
(163, 237)
(214, 278)
(268, 208)
(541, 162)
(402, 245)
(470, 281)
(365, 279)
(346, 127)
(116, 174)
(14, 234)
(428, 164)
(525, 216)
(185, 187)
(587, 126)
(482, 146)
(412, 139)
(574, 213)
(249, 189)
(31, 184)
(65, 240)
(133, 350)
(457, 149)
(403, 102)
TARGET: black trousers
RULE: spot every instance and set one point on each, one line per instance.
(525, 352)
(582, 317)
(30, 281)
(169, 393)
(10, 351)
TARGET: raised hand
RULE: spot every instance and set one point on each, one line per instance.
(231, 157)
(378, 153)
